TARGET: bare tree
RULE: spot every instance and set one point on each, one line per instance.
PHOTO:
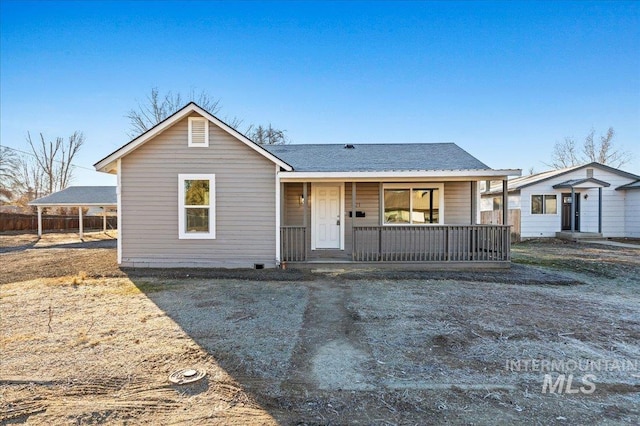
(51, 168)
(9, 165)
(266, 135)
(158, 107)
(567, 154)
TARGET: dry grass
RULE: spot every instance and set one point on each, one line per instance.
(81, 348)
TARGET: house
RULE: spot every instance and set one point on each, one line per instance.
(194, 192)
(586, 201)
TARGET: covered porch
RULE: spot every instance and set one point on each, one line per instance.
(414, 221)
(571, 208)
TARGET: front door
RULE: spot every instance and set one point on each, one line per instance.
(566, 212)
(326, 216)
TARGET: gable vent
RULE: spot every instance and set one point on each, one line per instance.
(198, 131)
(589, 173)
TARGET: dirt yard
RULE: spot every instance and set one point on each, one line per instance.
(84, 342)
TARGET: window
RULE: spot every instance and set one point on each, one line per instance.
(411, 205)
(196, 204)
(497, 203)
(198, 132)
(544, 204)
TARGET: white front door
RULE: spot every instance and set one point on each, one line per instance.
(326, 215)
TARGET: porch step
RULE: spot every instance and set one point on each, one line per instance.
(579, 236)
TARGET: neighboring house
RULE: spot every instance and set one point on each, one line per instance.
(194, 192)
(591, 200)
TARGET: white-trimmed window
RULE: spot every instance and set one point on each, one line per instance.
(418, 204)
(196, 206)
(198, 132)
(544, 204)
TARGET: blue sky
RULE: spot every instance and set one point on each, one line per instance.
(504, 80)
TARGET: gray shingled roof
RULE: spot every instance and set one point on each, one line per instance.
(376, 157)
(80, 196)
(632, 185)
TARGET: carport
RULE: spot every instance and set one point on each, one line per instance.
(79, 196)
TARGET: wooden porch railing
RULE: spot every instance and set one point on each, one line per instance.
(443, 243)
(293, 243)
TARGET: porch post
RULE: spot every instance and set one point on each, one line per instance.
(305, 217)
(573, 209)
(599, 210)
(474, 202)
(80, 227)
(505, 202)
(305, 197)
(104, 219)
(353, 220)
(39, 221)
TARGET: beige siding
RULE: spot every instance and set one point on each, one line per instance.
(367, 201)
(457, 203)
(245, 202)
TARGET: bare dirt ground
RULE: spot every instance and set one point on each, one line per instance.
(84, 342)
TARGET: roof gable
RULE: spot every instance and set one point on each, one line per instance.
(525, 181)
(107, 164)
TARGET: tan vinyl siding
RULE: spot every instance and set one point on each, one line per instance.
(457, 203)
(244, 195)
(367, 201)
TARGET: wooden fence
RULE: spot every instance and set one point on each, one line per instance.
(495, 218)
(29, 222)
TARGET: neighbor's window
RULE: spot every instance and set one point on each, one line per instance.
(196, 215)
(497, 203)
(415, 206)
(544, 204)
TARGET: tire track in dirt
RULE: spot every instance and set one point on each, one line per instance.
(330, 354)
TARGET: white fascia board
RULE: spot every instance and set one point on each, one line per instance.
(105, 165)
(400, 175)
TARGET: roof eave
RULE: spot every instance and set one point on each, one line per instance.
(480, 174)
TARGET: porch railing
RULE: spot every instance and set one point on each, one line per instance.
(293, 243)
(443, 243)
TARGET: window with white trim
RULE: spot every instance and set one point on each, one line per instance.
(544, 204)
(411, 205)
(198, 132)
(196, 206)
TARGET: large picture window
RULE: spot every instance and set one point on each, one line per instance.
(196, 204)
(411, 205)
(544, 204)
